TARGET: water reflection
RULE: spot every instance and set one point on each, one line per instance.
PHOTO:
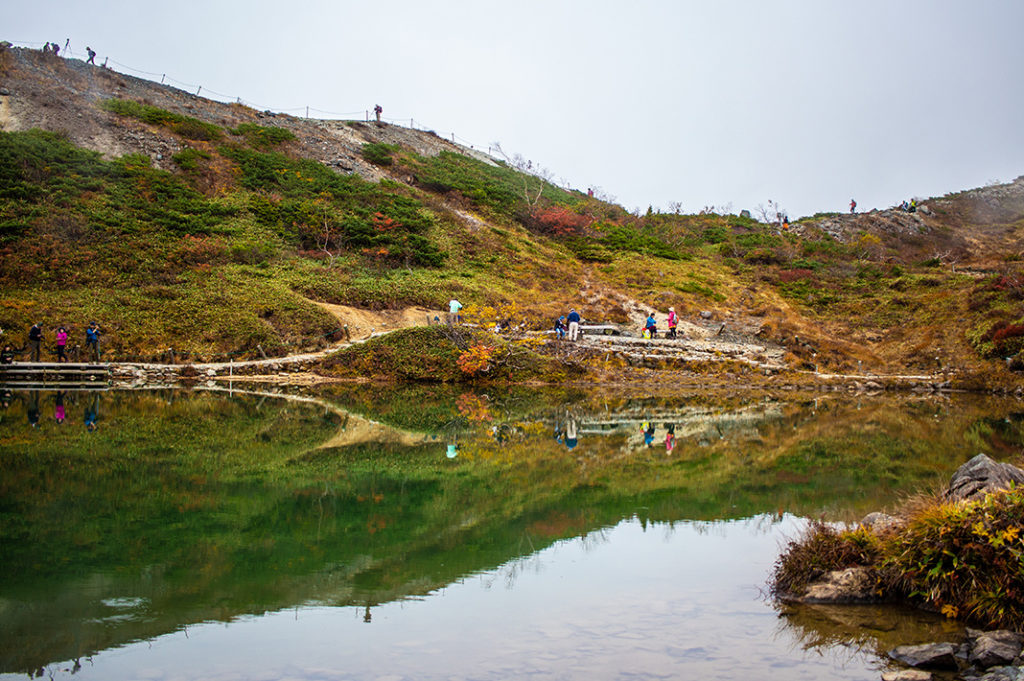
(216, 506)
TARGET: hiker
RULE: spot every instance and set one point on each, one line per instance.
(7, 355)
(673, 322)
(35, 340)
(853, 206)
(92, 56)
(56, 49)
(92, 341)
(560, 328)
(913, 206)
(650, 326)
(62, 341)
(377, 111)
(574, 324)
(453, 311)
(46, 49)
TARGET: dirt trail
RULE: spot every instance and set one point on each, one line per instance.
(364, 323)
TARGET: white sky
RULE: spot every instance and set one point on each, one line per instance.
(716, 102)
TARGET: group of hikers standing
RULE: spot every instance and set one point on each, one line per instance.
(570, 325)
(35, 344)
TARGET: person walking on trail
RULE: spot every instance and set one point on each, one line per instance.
(853, 206)
(574, 324)
(377, 111)
(92, 56)
(453, 311)
(673, 322)
(92, 341)
(62, 342)
(35, 341)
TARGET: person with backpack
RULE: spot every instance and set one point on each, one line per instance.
(92, 341)
(560, 328)
(92, 56)
(673, 322)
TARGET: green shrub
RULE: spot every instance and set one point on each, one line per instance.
(822, 549)
(715, 234)
(263, 137)
(190, 128)
(965, 559)
(379, 153)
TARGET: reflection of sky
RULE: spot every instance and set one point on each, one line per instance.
(668, 601)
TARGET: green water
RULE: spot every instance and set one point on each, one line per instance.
(430, 532)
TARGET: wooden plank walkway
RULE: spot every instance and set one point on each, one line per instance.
(54, 372)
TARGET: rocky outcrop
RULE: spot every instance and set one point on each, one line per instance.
(852, 585)
(980, 476)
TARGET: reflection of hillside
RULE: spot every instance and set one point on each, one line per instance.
(188, 508)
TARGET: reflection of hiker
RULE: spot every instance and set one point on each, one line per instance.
(58, 407)
(92, 341)
(670, 438)
(453, 311)
(35, 340)
(7, 355)
(574, 324)
(570, 433)
(648, 429)
(62, 342)
(377, 111)
(673, 322)
(560, 327)
(32, 408)
(92, 56)
(853, 206)
(92, 412)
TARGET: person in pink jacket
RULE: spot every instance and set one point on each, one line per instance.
(62, 343)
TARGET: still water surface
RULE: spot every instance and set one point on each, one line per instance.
(432, 533)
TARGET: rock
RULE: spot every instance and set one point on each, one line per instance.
(994, 648)
(705, 314)
(907, 675)
(1000, 674)
(852, 585)
(934, 655)
(880, 523)
(980, 476)
(211, 372)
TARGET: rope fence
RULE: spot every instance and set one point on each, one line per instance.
(67, 51)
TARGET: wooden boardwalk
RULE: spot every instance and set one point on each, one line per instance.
(57, 373)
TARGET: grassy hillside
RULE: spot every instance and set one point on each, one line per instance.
(215, 229)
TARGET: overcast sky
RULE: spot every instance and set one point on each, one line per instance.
(808, 103)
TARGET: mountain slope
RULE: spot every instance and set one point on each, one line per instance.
(176, 221)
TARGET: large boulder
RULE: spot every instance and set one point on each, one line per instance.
(980, 476)
(932, 655)
(994, 648)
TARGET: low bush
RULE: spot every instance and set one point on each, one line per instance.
(262, 137)
(379, 153)
(186, 126)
